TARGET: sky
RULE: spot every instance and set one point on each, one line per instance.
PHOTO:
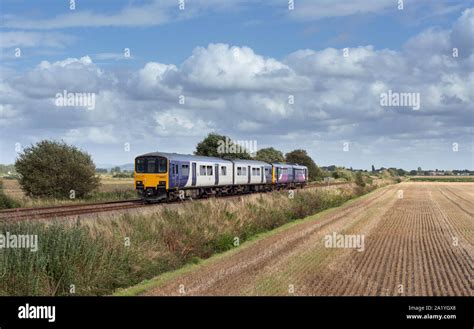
(310, 74)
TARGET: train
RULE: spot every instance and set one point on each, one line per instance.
(170, 176)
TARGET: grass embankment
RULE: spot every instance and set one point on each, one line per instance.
(97, 257)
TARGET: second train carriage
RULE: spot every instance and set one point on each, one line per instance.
(161, 176)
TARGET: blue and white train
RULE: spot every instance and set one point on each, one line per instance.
(168, 176)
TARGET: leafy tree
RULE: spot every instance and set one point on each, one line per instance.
(301, 157)
(270, 155)
(386, 174)
(401, 172)
(5, 169)
(115, 170)
(123, 174)
(221, 146)
(359, 179)
(343, 173)
(54, 169)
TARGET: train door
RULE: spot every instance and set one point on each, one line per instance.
(173, 175)
(176, 177)
(261, 172)
(194, 174)
(249, 173)
(216, 169)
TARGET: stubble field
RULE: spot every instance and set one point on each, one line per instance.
(417, 241)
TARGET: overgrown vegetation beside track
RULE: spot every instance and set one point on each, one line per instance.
(111, 189)
(95, 257)
(6, 202)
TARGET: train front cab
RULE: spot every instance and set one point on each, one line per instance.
(151, 177)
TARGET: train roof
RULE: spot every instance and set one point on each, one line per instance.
(191, 157)
(250, 162)
(279, 164)
(185, 157)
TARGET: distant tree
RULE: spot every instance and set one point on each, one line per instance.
(385, 174)
(101, 170)
(270, 155)
(373, 168)
(301, 157)
(7, 169)
(221, 146)
(115, 170)
(401, 172)
(123, 174)
(342, 173)
(55, 169)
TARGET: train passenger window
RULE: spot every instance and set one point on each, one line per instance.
(244, 171)
(267, 171)
(258, 171)
(239, 171)
(223, 171)
(185, 170)
(209, 170)
(202, 170)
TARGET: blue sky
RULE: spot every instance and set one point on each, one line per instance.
(283, 52)
(270, 30)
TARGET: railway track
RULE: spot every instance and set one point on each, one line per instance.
(90, 208)
(67, 210)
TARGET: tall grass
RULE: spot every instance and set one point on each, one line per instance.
(97, 196)
(99, 256)
(6, 201)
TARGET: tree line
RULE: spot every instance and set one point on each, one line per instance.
(209, 146)
(57, 170)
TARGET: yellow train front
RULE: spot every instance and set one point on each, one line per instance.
(151, 176)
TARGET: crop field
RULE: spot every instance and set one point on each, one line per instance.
(110, 189)
(442, 179)
(417, 241)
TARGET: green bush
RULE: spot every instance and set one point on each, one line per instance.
(359, 179)
(7, 202)
(54, 169)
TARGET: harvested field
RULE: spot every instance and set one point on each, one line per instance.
(417, 241)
